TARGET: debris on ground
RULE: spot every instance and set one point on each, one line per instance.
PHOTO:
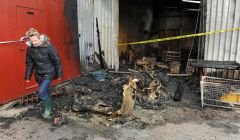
(155, 98)
(88, 96)
(59, 120)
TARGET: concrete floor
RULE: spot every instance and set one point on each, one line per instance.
(34, 129)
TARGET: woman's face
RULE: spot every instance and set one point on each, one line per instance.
(35, 40)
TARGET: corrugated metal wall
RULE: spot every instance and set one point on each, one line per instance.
(134, 20)
(86, 31)
(107, 13)
(175, 22)
(223, 14)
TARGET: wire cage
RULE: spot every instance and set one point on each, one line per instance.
(220, 92)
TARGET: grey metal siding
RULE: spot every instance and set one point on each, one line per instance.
(222, 14)
(107, 13)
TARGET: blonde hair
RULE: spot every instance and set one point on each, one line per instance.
(32, 32)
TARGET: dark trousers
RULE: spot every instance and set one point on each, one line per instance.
(43, 92)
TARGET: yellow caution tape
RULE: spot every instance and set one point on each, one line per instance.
(179, 37)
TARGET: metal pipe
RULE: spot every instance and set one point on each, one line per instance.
(7, 42)
(13, 41)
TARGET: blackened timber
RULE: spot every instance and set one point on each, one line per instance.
(99, 56)
(229, 65)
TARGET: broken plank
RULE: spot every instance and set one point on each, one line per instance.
(230, 65)
(119, 72)
(215, 62)
(183, 75)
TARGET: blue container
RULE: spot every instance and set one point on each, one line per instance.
(99, 75)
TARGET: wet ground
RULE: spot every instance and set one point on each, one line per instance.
(161, 118)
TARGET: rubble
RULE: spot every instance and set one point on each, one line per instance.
(97, 96)
(154, 89)
(114, 100)
(150, 62)
(107, 97)
(59, 120)
(96, 102)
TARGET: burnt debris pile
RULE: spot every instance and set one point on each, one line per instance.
(154, 90)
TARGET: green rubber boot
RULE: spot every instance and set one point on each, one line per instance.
(47, 109)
